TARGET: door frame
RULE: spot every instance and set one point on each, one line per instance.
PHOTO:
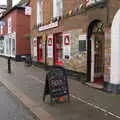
(54, 46)
(38, 38)
(90, 51)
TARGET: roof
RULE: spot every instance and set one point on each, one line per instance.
(21, 5)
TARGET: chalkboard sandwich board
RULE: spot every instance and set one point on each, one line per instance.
(56, 84)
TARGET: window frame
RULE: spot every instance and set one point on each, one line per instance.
(39, 12)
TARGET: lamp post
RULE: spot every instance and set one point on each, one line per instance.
(9, 64)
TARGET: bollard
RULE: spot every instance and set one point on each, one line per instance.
(9, 64)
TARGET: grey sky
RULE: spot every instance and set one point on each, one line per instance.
(3, 2)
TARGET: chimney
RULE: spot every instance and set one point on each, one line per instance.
(9, 4)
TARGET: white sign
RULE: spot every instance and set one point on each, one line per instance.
(66, 46)
(51, 25)
(93, 2)
(28, 10)
(50, 46)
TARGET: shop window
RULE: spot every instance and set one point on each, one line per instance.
(57, 8)
(39, 11)
(82, 45)
(13, 47)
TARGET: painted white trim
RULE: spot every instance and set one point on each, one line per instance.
(92, 59)
(115, 50)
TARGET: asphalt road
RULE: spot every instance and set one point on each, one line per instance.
(11, 108)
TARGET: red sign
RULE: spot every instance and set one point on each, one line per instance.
(67, 39)
(49, 41)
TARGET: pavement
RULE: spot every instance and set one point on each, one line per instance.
(27, 83)
(11, 108)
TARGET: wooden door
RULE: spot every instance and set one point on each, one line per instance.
(99, 57)
(40, 50)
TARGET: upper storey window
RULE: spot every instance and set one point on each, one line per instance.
(39, 11)
(57, 8)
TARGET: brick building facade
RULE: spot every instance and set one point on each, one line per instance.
(14, 32)
(79, 40)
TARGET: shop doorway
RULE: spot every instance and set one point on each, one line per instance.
(58, 48)
(97, 62)
(39, 49)
(95, 49)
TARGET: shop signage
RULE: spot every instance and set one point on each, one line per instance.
(51, 25)
(93, 2)
(28, 10)
(66, 46)
(50, 46)
(56, 83)
(35, 51)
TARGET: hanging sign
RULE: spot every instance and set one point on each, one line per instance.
(28, 10)
(56, 83)
(66, 46)
(50, 46)
(93, 2)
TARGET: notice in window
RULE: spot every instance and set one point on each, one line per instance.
(50, 46)
(67, 46)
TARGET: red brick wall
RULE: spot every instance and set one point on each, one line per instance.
(22, 29)
(20, 25)
(13, 16)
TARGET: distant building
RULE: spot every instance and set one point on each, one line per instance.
(3, 9)
(15, 31)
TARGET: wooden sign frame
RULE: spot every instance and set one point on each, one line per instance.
(56, 87)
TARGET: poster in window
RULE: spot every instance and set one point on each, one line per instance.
(50, 46)
(67, 46)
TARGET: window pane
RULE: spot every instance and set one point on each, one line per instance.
(82, 45)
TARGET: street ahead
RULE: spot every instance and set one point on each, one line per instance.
(11, 108)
